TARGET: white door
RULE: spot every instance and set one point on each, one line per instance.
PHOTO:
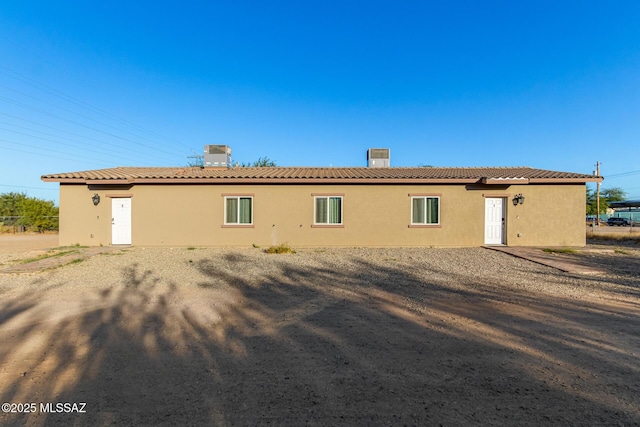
(121, 221)
(493, 221)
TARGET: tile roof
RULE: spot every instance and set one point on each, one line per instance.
(489, 175)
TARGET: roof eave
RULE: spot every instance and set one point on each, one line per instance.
(64, 180)
(86, 180)
(325, 180)
(565, 180)
(504, 181)
(257, 180)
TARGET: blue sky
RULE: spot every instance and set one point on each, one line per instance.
(87, 85)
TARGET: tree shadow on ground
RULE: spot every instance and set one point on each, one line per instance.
(619, 260)
(622, 268)
(339, 343)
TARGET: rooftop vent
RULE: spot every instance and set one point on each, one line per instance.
(217, 156)
(378, 158)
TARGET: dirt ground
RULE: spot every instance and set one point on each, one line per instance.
(25, 242)
(324, 337)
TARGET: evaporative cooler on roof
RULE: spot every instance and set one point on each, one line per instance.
(378, 158)
(217, 155)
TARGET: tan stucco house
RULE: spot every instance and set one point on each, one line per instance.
(353, 206)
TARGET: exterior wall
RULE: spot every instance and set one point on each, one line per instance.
(373, 215)
(552, 215)
(80, 221)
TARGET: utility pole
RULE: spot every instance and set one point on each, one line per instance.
(598, 194)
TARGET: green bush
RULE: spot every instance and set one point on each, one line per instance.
(280, 249)
(28, 212)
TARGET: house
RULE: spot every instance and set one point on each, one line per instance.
(309, 206)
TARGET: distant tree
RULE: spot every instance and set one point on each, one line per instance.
(31, 212)
(11, 203)
(607, 196)
(614, 194)
(197, 161)
(262, 162)
(591, 202)
(39, 214)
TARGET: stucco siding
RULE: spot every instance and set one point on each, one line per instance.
(373, 215)
(552, 215)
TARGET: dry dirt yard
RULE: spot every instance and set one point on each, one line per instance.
(194, 336)
(18, 244)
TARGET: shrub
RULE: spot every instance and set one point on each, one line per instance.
(280, 249)
(20, 211)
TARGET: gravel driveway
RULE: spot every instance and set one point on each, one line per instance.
(323, 337)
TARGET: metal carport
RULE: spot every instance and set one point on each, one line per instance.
(626, 204)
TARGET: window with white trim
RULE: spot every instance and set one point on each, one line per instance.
(328, 210)
(238, 210)
(425, 210)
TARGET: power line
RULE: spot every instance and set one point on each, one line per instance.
(126, 156)
(24, 186)
(29, 107)
(58, 94)
(154, 150)
(58, 142)
(84, 137)
(623, 174)
(44, 149)
(78, 114)
(42, 154)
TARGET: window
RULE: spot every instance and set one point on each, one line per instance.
(328, 210)
(238, 210)
(425, 210)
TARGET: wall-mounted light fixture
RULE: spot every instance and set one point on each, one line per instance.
(96, 199)
(519, 198)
